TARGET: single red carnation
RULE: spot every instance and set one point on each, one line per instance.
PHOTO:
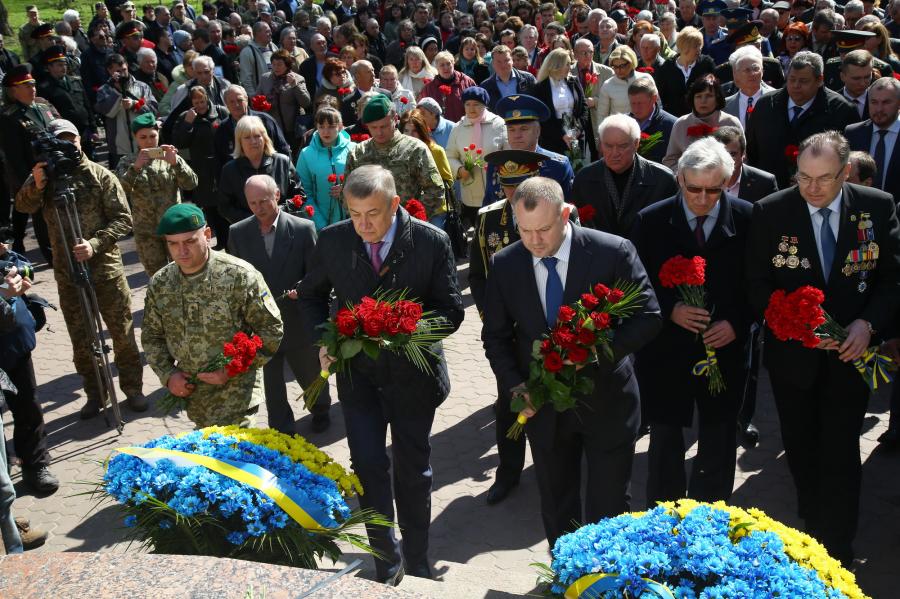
(346, 322)
(615, 296)
(546, 346)
(310, 211)
(297, 201)
(445, 89)
(577, 355)
(416, 209)
(791, 152)
(332, 178)
(701, 130)
(601, 291)
(404, 100)
(566, 313)
(601, 320)
(553, 362)
(586, 213)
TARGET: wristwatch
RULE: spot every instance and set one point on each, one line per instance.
(869, 326)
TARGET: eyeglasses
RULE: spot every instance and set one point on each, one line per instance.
(621, 65)
(806, 180)
(709, 191)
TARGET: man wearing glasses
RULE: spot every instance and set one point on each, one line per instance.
(842, 239)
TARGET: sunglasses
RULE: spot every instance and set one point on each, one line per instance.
(710, 191)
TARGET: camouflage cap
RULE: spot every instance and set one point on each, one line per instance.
(181, 218)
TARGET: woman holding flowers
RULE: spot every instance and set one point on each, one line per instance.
(320, 167)
(696, 238)
(706, 101)
(478, 133)
(447, 87)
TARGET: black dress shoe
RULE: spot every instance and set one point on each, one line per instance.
(421, 570)
(499, 490)
(320, 422)
(890, 438)
(40, 480)
(749, 436)
(394, 579)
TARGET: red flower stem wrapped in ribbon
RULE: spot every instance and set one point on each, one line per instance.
(799, 316)
(688, 275)
(583, 330)
(236, 358)
(387, 321)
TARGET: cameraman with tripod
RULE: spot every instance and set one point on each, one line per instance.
(87, 213)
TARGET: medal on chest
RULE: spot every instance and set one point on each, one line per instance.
(788, 254)
(863, 259)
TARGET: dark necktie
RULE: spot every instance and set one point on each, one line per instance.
(375, 255)
(829, 243)
(797, 111)
(749, 110)
(698, 232)
(553, 292)
(880, 151)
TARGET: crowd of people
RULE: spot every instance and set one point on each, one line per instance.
(604, 137)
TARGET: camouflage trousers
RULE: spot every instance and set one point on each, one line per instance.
(210, 406)
(114, 300)
(152, 252)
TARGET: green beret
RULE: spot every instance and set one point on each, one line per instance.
(377, 108)
(181, 218)
(143, 121)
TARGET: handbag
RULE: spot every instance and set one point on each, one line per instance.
(453, 226)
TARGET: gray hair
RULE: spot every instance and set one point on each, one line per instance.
(854, 6)
(807, 60)
(264, 181)
(527, 29)
(535, 190)
(583, 41)
(286, 32)
(597, 12)
(652, 38)
(744, 54)
(259, 26)
(886, 83)
(819, 143)
(234, 89)
(361, 64)
(323, 21)
(769, 12)
(669, 16)
(145, 53)
(207, 60)
(368, 180)
(623, 123)
(70, 15)
(706, 154)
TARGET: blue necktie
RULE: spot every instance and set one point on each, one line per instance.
(553, 292)
(829, 243)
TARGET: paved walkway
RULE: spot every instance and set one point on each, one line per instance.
(465, 530)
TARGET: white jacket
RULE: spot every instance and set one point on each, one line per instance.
(493, 138)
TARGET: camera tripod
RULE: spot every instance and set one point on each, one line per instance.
(70, 228)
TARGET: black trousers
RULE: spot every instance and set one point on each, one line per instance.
(20, 224)
(219, 225)
(712, 474)
(748, 406)
(304, 363)
(29, 435)
(894, 415)
(820, 428)
(510, 451)
(558, 470)
(367, 414)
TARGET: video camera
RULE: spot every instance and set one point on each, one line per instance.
(26, 271)
(61, 156)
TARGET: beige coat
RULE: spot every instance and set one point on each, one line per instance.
(603, 73)
(493, 138)
(679, 140)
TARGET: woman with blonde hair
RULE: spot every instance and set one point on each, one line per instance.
(416, 71)
(880, 46)
(676, 75)
(254, 154)
(447, 86)
(569, 119)
(471, 63)
(613, 97)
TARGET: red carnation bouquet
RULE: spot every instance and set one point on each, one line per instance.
(648, 142)
(404, 100)
(298, 206)
(387, 321)
(139, 105)
(236, 358)
(416, 209)
(648, 70)
(344, 91)
(586, 213)
(701, 130)
(688, 275)
(445, 89)
(260, 103)
(799, 316)
(582, 331)
(472, 159)
(359, 137)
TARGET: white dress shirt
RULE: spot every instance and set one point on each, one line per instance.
(805, 107)
(708, 224)
(562, 266)
(858, 103)
(742, 104)
(833, 221)
(563, 100)
(686, 70)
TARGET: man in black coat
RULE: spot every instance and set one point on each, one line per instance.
(645, 109)
(382, 247)
(280, 246)
(746, 182)
(67, 94)
(93, 62)
(551, 266)
(622, 183)
(884, 104)
(205, 47)
(238, 108)
(789, 115)
(701, 220)
(505, 74)
(842, 239)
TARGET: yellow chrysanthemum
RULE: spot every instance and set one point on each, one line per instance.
(297, 449)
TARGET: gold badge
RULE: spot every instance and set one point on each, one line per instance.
(783, 246)
(847, 270)
(793, 261)
(792, 250)
(778, 261)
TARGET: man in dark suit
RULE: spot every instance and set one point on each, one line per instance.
(813, 234)
(746, 182)
(256, 240)
(551, 266)
(622, 183)
(788, 116)
(645, 109)
(224, 65)
(506, 81)
(380, 246)
(701, 220)
(884, 104)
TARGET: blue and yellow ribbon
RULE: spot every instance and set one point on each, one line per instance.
(593, 585)
(872, 366)
(703, 367)
(293, 502)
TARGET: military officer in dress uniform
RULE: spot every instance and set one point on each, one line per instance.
(44, 37)
(67, 94)
(524, 115)
(848, 41)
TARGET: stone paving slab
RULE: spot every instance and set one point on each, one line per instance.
(506, 538)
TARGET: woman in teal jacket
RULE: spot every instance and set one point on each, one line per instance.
(321, 166)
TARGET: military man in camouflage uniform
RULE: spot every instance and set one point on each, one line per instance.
(152, 185)
(26, 42)
(105, 218)
(193, 306)
(408, 159)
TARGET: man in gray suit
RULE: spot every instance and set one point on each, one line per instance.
(747, 68)
(280, 245)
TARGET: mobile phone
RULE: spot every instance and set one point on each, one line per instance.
(156, 153)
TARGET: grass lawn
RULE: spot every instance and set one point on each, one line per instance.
(50, 11)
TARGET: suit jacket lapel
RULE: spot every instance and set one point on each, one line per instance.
(806, 236)
(283, 246)
(678, 221)
(579, 266)
(723, 229)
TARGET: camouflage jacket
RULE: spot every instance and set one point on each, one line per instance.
(102, 211)
(415, 173)
(188, 318)
(154, 188)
